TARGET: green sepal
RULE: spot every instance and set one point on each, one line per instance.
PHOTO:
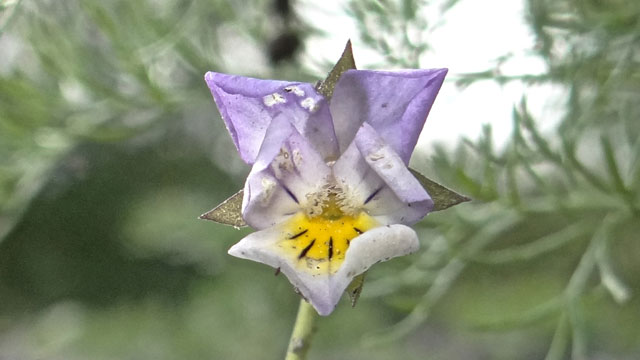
(346, 62)
(355, 288)
(442, 197)
(229, 212)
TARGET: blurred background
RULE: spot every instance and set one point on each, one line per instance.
(111, 146)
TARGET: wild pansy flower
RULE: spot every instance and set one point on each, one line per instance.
(329, 191)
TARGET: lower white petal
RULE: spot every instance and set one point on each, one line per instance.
(323, 286)
(374, 246)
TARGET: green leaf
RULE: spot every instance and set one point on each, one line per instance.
(355, 288)
(346, 62)
(229, 212)
(443, 198)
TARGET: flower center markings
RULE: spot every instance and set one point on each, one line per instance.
(319, 242)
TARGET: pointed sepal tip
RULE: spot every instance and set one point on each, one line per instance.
(229, 212)
(443, 198)
(346, 62)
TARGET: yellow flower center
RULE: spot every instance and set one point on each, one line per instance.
(319, 243)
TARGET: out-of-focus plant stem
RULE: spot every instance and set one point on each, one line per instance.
(303, 331)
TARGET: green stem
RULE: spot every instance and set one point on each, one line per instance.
(303, 330)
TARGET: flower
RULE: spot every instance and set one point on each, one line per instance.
(329, 189)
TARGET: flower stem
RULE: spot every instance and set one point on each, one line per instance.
(303, 330)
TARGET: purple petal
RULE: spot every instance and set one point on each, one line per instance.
(287, 168)
(324, 291)
(376, 178)
(396, 104)
(248, 106)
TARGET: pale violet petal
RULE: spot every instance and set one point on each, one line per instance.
(241, 105)
(345, 108)
(388, 165)
(365, 189)
(396, 104)
(324, 291)
(265, 203)
(287, 168)
(356, 178)
(248, 106)
(375, 179)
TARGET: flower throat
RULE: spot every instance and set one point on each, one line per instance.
(320, 241)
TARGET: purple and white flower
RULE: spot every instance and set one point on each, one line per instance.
(329, 189)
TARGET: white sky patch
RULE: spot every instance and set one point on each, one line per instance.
(273, 99)
(466, 42)
(237, 45)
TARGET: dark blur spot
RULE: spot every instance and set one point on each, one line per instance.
(282, 8)
(284, 47)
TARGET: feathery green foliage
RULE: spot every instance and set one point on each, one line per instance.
(110, 147)
(567, 199)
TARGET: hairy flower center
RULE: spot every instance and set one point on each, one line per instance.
(320, 242)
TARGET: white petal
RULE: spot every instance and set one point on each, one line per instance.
(286, 170)
(262, 246)
(376, 179)
(388, 165)
(358, 181)
(265, 202)
(374, 246)
(324, 291)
